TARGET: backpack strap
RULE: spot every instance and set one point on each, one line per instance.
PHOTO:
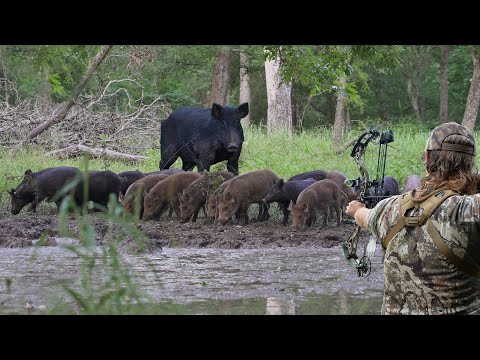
(429, 205)
(467, 264)
(406, 202)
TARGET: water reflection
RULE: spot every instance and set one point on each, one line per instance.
(202, 281)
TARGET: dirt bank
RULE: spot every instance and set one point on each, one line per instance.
(26, 229)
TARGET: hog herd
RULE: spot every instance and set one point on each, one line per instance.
(221, 195)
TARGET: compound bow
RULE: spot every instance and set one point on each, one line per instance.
(369, 192)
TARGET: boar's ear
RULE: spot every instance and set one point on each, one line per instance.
(121, 198)
(11, 192)
(228, 196)
(281, 183)
(28, 175)
(243, 110)
(145, 193)
(217, 111)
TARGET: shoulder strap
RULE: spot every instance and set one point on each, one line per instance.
(406, 202)
(467, 264)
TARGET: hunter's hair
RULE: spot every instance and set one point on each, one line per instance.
(452, 170)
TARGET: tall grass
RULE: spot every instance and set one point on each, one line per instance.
(106, 286)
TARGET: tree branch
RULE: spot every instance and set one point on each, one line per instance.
(61, 111)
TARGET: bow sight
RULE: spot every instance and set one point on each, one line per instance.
(369, 192)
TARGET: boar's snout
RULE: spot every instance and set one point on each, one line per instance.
(232, 148)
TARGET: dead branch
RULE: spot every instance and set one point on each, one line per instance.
(77, 150)
(346, 145)
(93, 120)
(62, 110)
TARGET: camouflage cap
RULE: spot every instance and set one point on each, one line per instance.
(438, 139)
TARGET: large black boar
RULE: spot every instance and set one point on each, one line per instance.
(41, 185)
(203, 137)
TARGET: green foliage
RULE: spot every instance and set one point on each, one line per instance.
(181, 75)
(106, 285)
(54, 80)
(323, 67)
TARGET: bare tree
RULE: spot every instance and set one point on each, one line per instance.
(444, 50)
(245, 84)
(341, 121)
(220, 79)
(62, 110)
(412, 67)
(473, 99)
(279, 96)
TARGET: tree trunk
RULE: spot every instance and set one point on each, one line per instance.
(4, 72)
(412, 90)
(245, 85)
(330, 107)
(279, 96)
(220, 79)
(296, 123)
(340, 113)
(444, 83)
(154, 72)
(61, 111)
(347, 119)
(471, 109)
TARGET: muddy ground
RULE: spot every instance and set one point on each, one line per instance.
(26, 229)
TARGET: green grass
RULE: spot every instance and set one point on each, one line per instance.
(309, 150)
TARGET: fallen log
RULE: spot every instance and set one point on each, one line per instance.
(78, 149)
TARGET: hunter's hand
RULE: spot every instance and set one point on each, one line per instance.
(353, 207)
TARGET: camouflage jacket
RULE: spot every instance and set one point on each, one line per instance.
(418, 277)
